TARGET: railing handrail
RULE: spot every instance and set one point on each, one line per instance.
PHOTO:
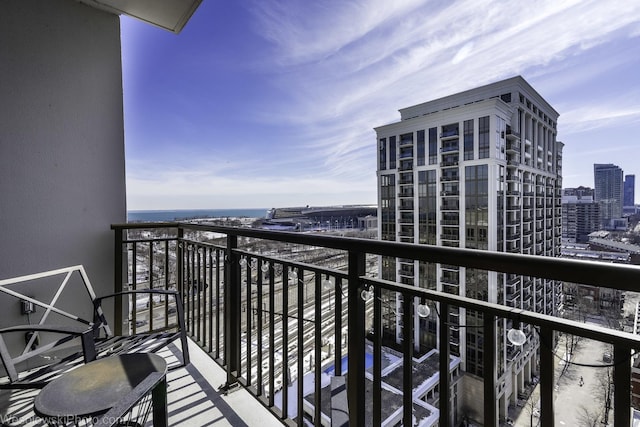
(568, 326)
(615, 276)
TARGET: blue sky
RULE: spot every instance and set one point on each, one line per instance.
(261, 103)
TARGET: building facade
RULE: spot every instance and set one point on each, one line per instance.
(608, 192)
(580, 214)
(480, 169)
(629, 190)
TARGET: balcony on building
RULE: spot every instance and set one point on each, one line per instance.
(406, 178)
(450, 219)
(405, 165)
(405, 153)
(406, 204)
(406, 192)
(449, 132)
(450, 204)
(449, 160)
(406, 218)
(450, 175)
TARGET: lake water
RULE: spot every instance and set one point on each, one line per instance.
(184, 214)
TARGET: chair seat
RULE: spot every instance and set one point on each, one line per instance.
(139, 343)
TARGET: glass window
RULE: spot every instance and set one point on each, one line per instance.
(388, 206)
(427, 207)
(433, 146)
(392, 152)
(476, 209)
(420, 147)
(382, 149)
(483, 137)
(468, 139)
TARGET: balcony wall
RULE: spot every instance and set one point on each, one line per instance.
(62, 176)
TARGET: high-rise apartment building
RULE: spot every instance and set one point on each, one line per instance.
(629, 190)
(580, 214)
(480, 169)
(608, 192)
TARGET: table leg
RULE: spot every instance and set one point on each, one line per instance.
(159, 400)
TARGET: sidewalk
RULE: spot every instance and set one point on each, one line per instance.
(573, 402)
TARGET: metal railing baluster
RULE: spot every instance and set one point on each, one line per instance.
(355, 383)
(444, 360)
(192, 272)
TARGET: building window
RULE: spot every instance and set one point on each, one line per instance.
(392, 152)
(420, 147)
(388, 207)
(433, 146)
(468, 139)
(427, 213)
(501, 127)
(476, 201)
(483, 137)
(450, 130)
(382, 150)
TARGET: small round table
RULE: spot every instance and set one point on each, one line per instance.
(93, 389)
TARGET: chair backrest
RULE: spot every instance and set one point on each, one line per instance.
(63, 296)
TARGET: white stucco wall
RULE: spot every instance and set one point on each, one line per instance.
(62, 167)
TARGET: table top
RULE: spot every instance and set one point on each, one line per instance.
(96, 387)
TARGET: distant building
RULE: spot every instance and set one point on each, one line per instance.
(608, 193)
(317, 218)
(480, 169)
(629, 190)
(588, 296)
(580, 214)
(598, 243)
(580, 192)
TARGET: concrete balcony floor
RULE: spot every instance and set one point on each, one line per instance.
(192, 395)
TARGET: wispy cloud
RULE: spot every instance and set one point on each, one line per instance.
(337, 69)
(356, 67)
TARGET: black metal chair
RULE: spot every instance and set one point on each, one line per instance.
(52, 349)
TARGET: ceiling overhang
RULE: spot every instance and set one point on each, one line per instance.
(171, 15)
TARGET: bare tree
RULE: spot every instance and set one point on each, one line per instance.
(603, 389)
(588, 417)
(571, 344)
(532, 408)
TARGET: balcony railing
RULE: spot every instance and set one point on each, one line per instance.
(275, 308)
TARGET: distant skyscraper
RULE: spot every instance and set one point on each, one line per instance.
(480, 169)
(580, 214)
(629, 190)
(608, 192)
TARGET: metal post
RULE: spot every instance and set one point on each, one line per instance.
(445, 378)
(118, 273)
(377, 358)
(407, 363)
(489, 369)
(622, 386)
(232, 307)
(355, 379)
(180, 264)
(546, 377)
